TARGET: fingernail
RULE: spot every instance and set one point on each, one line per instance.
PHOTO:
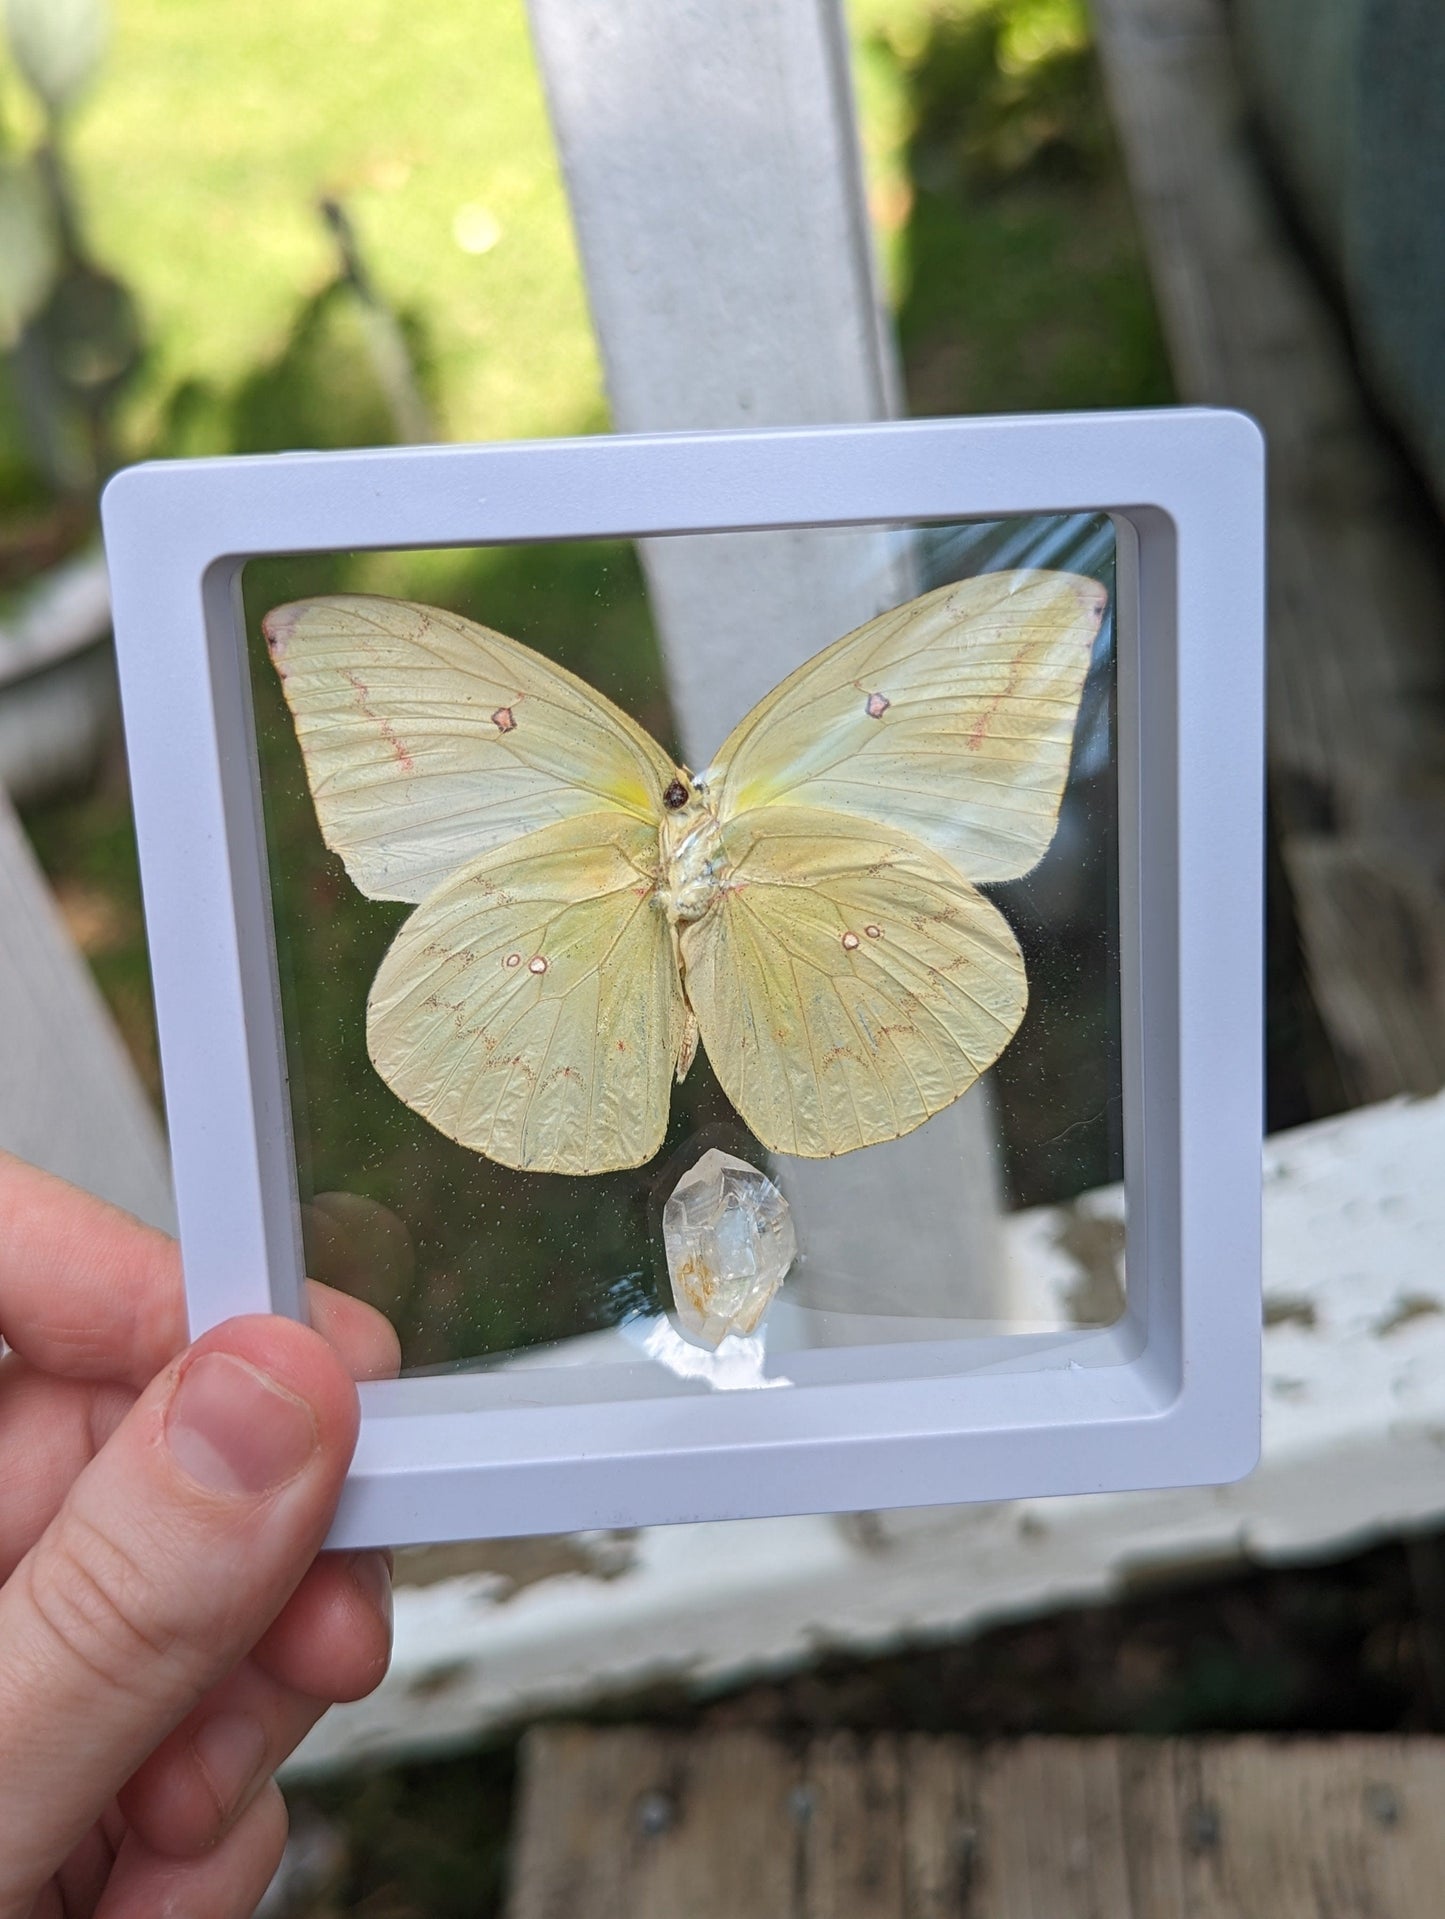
(230, 1749)
(236, 1431)
(373, 1576)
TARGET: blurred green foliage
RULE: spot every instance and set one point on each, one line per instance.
(201, 156)
(422, 1841)
(322, 388)
(1016, 262)
(1006, 91)
(70, 329)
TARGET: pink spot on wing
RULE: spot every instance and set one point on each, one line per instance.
(504, 719)
(278, 626)
(850, 940)
(512, 959)
(536, 964)
(874, 932)
(876, 706)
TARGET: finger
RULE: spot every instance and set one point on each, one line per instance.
(51, 1428)
(365, 1339)
(85, 1289)
(192, 1790)
(225, 1883)
(172, 1554)
(201, 1778)
(333, 1636)
(88, 1292)
(81, 1880)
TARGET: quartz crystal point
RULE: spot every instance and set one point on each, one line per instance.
(730, 1241)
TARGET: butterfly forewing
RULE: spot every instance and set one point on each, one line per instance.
(951, 718)
(530, 1008)
(848, 983)
(428, 739)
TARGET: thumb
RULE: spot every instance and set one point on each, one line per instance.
(172, 1553)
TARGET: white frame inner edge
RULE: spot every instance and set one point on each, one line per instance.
(1169, 1395)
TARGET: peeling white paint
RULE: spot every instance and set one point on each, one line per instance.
(1354, 1447)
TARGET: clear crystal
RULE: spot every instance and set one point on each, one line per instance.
(730, 1241)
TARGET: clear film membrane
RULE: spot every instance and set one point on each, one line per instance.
(722, 1260)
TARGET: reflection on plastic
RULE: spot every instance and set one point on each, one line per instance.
(735, 1367)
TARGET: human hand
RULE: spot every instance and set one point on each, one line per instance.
(167, 1631)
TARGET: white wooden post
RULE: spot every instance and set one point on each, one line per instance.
(70, 1100)
(712, 163)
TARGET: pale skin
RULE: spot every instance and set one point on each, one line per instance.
(169, 1628)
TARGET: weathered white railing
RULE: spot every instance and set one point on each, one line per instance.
(70, 1099)
(57, 677)
(1354, 1448)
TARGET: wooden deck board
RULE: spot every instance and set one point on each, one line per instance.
(624, 1826)
(1356, 557)
(650, 1823)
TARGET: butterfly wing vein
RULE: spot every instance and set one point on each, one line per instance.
(848, 984)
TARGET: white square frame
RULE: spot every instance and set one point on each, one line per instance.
(1170, 1393)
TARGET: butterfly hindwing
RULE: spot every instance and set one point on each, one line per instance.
(848, 982)
(530, 1008)
(428, 738)
(951, 717)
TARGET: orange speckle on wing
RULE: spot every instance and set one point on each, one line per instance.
(379, 720)
(978, 732)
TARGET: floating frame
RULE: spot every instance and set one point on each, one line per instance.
(1170, 1393)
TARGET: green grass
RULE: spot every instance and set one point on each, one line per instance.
(216, 129)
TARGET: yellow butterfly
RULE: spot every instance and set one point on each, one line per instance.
(586, 908)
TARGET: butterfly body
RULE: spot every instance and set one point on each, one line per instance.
(586, 910)
(692, 859)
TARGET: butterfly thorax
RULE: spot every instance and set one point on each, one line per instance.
(692, 862)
